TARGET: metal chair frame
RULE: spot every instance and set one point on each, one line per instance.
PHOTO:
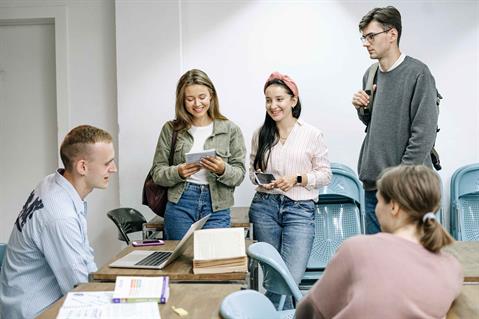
(277, 277)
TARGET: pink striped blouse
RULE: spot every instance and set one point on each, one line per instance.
(303, 153)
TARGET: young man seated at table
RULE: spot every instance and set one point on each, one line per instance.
(48, 252)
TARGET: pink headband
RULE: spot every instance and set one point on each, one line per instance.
(286, 79)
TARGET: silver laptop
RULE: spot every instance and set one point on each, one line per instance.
(158, 259)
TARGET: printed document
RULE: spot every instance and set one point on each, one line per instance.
(99, 305)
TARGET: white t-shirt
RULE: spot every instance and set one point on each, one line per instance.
(200, 134)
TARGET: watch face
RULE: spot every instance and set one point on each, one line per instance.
(299, 179)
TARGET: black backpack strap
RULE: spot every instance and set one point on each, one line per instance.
(367, 111)
(373, 69)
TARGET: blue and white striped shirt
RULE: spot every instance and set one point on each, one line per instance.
(48, 251)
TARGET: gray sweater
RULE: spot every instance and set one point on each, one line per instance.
(403, 123)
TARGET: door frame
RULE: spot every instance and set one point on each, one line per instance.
(56, 15)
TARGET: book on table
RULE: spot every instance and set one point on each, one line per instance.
(141, 289)
(219, 250)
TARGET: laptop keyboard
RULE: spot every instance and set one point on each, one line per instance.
(155, 259)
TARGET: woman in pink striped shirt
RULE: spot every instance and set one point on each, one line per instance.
(295, 153)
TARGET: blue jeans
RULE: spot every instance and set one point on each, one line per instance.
(288, 225)
(371, 220)
(194, 204)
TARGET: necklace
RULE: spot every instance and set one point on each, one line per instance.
(283, 138)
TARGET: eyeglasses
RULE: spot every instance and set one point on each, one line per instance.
(370, 36)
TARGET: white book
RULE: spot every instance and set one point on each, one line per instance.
(219, 250)
(219, 243)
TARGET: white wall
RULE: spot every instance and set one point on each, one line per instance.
(92, 86)
(238, 45)
(316, 42)
(86, 90)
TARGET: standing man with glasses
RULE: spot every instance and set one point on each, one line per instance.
(401, 127)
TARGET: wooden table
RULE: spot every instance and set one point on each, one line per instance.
(467, 252)
(200, 300)
(239, 218)
(467, 304)
(180, 270)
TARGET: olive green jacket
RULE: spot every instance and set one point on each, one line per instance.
(228, 142)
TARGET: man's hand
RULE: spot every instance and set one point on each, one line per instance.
(361, 98)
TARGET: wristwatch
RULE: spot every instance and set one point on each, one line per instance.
(299, 179)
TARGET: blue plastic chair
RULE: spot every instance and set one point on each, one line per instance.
(276, 276)
(250, 304)
(464, 209)
(3, 247)
(339, 215)
(440, 215)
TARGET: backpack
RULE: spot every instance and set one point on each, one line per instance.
(367, 111)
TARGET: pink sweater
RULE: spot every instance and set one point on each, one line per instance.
(384, 276)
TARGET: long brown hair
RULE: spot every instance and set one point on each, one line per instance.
(192, 77)
(417, 190)
(268, 135)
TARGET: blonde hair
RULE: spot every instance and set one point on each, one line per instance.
(75, 143)
(417, 190)
(192, 77)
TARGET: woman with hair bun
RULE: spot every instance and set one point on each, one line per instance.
(399, 273)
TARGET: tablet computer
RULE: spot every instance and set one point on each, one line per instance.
(195, 157)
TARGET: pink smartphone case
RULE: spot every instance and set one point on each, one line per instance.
(142, 244)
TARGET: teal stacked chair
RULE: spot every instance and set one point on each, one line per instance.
(440, 215)
(3, 247)
(464, 209)
(339, 215)
(250, 304)
(276, 276)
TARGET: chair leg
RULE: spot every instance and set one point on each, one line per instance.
(281, 302)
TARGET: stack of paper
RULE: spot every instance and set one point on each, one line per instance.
(219, 250)
(141, 289)
(98, 305)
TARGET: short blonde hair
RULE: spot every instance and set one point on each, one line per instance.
(417, 190)
(75, 143)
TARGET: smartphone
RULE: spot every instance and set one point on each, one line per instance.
(148, 242)
(264, 178)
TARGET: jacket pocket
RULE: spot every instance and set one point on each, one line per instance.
(224, 154)
(179, 155)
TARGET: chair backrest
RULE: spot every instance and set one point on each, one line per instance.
(464, 200)
(127, 220)
(248, 304)
(338, 215)
(344, 185)
(277, 277)
(3, 247)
